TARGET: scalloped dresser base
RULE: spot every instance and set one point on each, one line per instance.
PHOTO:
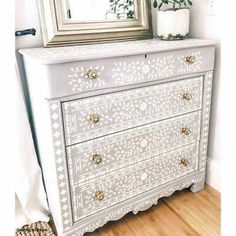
(141, 203)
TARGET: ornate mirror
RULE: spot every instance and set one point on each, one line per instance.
(70, 22)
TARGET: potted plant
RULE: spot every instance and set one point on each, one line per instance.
(173, 19)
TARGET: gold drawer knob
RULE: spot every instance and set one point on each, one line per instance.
(190, 59)
(99, 195)
(185, 131)
(187, 96)
(95, 118)
(184, 162)
(97, 159)
(92, 74)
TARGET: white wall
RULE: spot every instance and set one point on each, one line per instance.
(204, 24)
(27, 17)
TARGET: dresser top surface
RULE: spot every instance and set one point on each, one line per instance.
(117, 49)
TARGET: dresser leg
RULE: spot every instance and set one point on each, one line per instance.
(197, 186)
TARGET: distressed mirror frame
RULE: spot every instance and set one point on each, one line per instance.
(58, 31)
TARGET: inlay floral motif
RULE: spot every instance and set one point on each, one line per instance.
(134, 71)
(206, 118)
(130, 108)
(186, 67)
(119, 150)
(132, 181)
(78, 79)
(61, 166)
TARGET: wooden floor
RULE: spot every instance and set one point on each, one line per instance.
(184, 213)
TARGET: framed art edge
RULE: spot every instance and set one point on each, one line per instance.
(53, 37)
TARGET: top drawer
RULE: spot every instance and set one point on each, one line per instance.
(93, 117)
(77, 77)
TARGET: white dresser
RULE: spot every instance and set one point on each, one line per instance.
(119, 125)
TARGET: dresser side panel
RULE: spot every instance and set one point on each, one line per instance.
(207, 93)
(43, 125)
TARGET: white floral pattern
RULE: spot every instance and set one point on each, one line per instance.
(130, 108)
(61, 166)
(206, 118)
(78, 79)
(119, 150)
(135, 71)
(127, 71)
(186, 67)
(128, 182)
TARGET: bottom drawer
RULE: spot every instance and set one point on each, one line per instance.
(93, 196)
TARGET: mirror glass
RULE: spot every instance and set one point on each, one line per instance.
(99, 10)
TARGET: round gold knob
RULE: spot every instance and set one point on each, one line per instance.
(187, 96)
(185, 131)
(184, 162)
(95, 118)
(97, 159)
(99, 195)
(92, 74)
(190, 59)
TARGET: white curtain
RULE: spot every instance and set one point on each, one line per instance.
(30, 198)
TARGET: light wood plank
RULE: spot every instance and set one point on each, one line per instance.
(211, 195)
(212, 191)
(200, 212)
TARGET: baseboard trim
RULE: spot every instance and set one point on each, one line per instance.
(213, 174)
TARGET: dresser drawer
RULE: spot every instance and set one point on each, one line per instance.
(100, 156)
(78, 77)
(93, 117)
(93, 196)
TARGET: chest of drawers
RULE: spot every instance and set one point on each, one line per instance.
(118, 126)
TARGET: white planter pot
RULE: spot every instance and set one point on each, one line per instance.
(172, 25)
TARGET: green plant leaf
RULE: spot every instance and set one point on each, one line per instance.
(155, 4)
(190, 3)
